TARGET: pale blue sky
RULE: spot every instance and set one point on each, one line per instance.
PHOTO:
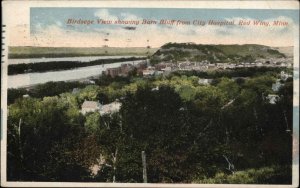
(49, 16)
(43, 21)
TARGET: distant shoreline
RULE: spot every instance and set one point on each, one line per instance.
(53, 52)
(14, 69)
(31, 86)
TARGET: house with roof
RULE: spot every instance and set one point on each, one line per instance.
(284, 76)
(113, 72)
(272, 98)
(90, 106)
(110, 108)
(75, 90)
(26, 96)
(204, 81)
(125, 69)
(149, 71)
(276, 86)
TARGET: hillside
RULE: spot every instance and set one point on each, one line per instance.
(214, 53)
(288, 51)
(34, 52)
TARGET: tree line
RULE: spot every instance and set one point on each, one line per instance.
(226, 132)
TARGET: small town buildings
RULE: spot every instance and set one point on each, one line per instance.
(276, 86)
(259, 64)
(283, 64)
(75, 90)
(158, 73)
(149, 71)
(113, 72)
(95, 106)
(231, 66)
(204, 81)
(284, 76)
(125, 69)
(87, 81)
(155, 88)
(221, 65)
(167, 69)
(26, 96)
(272, 98)
(110, 108)
(160, 66)
(142, 65)
(90, 106)
(211, 66)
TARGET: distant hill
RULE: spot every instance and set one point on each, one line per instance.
(35, 52)
(288, 50)
(214, 53)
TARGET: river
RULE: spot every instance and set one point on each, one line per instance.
(29, 79)
(80, 59)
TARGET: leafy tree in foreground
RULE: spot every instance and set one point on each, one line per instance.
(227, 132)
(44, 140)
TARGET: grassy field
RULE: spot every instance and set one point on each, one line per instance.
(34, 52)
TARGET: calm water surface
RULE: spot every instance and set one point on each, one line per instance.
(23, 80)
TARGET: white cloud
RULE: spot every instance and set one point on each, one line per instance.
(128, 16)
(55, 35)
(58, 23)
(105, 15)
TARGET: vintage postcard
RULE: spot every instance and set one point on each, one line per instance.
(150, 94)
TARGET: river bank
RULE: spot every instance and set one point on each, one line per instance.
(30, 79)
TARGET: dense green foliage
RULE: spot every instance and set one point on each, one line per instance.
(43, 90)
(273, 175)
(237, 72)
(191, 133)
(60, 65)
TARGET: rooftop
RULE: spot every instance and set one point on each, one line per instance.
(90, 104)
